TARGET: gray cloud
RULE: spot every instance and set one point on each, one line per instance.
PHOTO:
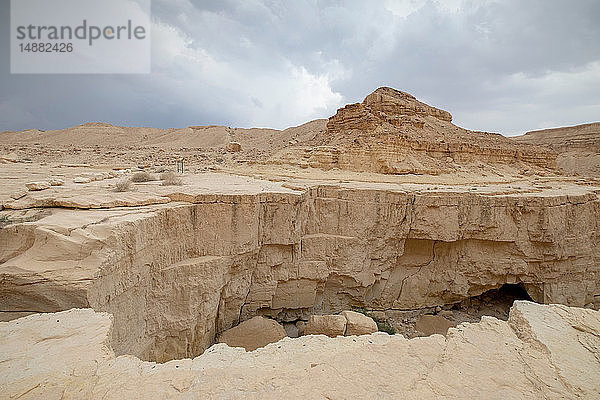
(504, 66)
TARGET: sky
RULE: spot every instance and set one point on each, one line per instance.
(506, 66)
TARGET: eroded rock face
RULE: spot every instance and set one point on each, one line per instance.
(391, 132)
(384, 106)
(253, 333)
(578, 147)
(540, 352)
(176, 275)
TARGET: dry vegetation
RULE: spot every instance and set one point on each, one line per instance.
(142, 177)
(123, 185)
(170, 179)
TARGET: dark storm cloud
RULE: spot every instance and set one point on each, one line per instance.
(506, 66)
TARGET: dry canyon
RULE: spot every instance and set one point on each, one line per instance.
(119, 274)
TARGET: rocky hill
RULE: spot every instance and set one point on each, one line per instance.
(578, 147)
(391, 132)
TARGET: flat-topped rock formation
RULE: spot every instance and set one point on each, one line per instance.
(180, 264)
(391, 132)
(548, 352)
(578, 147)
(586, 136)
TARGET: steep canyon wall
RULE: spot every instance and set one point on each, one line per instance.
(175, 275)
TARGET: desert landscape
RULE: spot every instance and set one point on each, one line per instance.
(383, 252)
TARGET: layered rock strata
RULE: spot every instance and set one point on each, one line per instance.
(578, 147)
(175, 275)
(391, 132)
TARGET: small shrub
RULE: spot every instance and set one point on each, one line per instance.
(5, 220)
(142, 177)
(383, 326)
(170, 179)
(123, 185)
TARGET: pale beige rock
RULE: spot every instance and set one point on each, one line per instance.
(8, 158)
(81, 179)
(18, 194)
(330, 325)
(358, 324)
(234, 147)
(35, 186)
(39, 352)
(56, 182)
(253, 333)
(541, 352)
(432, 324)
(87, 201)
(235, 247)
(391, 132)
(578, 147)
(570, 339)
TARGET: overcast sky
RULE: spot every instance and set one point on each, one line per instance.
(501, 66)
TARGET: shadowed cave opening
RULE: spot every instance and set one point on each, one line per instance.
(427, 321)
(410, 323)
(424, 322)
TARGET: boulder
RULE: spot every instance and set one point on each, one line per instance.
(330, 325)
(291, 329)
(253, 333)
(33, 186)
(431, 324)
(233, 147)
(358, 324)
(56, 182)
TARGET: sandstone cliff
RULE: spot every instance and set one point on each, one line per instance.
(578, 147)
(549, 352)
(174, 275)
(391, 132)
